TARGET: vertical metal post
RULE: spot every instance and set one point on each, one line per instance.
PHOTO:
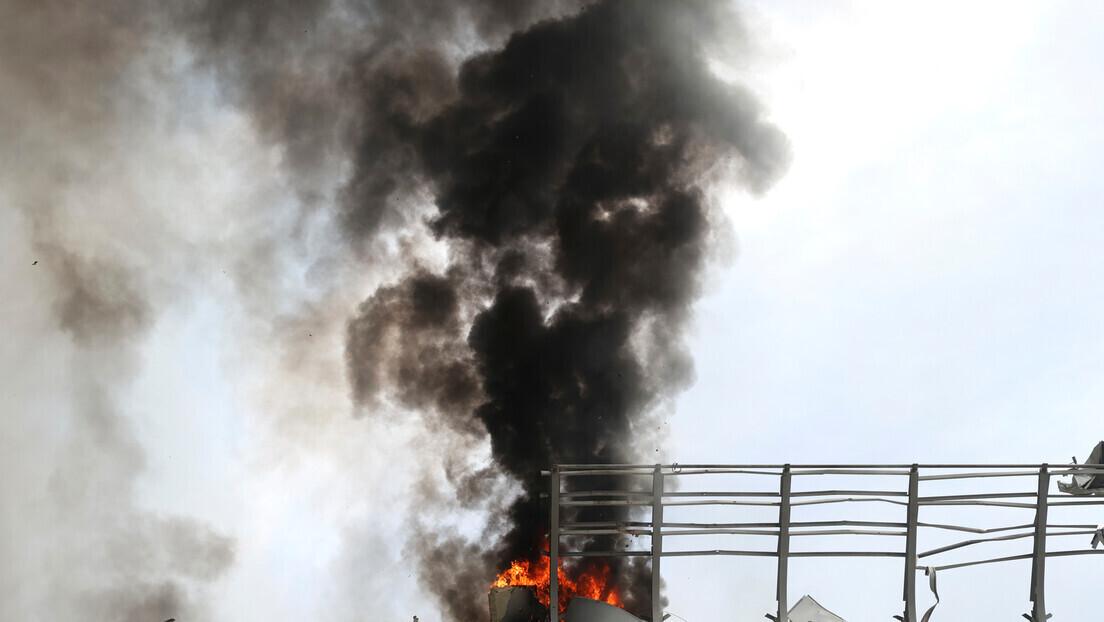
(657, 542)
(781, 582)
(1038, 554)
(554, 547)
(910, 544)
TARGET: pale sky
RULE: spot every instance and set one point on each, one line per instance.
(924, 285)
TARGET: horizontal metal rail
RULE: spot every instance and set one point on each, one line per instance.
(973, 529)
(756, 493)
(791, 553)
(728, 531)
(948, 476)
(605, 493)
(818, 471)
(989, 495)
(606, 502)
(605, 554)
(995, 504)
(1014, 536)
(684, 469)
(1013, 558)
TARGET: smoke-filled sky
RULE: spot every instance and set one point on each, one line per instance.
(279, 277)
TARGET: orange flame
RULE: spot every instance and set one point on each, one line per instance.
(593, 582)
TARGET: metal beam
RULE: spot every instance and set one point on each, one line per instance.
(782, 580)
(657, 542)
(554, 547)
(1038, 552)
(643, 469)
(910, 544)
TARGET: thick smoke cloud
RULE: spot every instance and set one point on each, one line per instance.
(531, 177)
(339, 84)
(567, 175)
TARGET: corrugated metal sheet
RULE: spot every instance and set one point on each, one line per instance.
(588, 610)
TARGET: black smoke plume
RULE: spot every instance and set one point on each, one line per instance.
(559, 152)
(567, 170)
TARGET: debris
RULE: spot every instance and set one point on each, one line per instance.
(1089, 483)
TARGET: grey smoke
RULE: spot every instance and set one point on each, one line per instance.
(78, 95)
(530, 176)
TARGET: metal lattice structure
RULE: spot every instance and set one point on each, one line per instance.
(666, 494)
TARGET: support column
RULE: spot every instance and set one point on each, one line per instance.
(910, 544)
(782, 580)
(1038, 553)
(657, 542)
(554, 546)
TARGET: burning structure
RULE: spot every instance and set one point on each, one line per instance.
(596, 583)
(518, 604)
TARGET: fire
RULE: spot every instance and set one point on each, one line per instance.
(594, 582)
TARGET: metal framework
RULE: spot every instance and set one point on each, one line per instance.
(563, 495)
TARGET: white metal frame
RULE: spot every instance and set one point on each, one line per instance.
(785, 500)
